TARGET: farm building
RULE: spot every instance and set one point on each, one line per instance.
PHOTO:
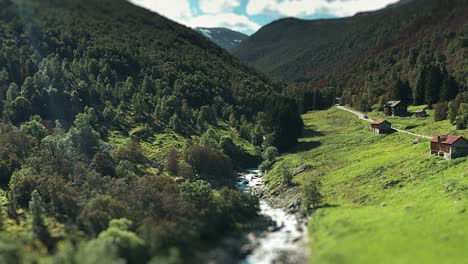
(421, 113)
(381, 127)
(395, 108)
(449, 147)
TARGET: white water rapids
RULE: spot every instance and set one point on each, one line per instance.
(285, 243)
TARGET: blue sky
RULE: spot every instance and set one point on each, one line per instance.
(248, 16)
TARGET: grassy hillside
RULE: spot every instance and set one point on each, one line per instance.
(385, 199)
(424, 126)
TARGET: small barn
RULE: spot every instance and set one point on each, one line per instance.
(449, 147)
(421, 113)
(381, 127)
(395, 108)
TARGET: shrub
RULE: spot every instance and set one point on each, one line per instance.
(34, 128)
(270, 153)
(441, 110)
(284, 175)
(99, 211)
(310, 192)
(129, 245)
(130, 151)
(210, 162)
(172, 162)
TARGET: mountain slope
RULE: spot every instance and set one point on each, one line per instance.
(366, 54)
(223, 37)
(119, 134)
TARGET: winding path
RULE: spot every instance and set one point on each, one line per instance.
(361, 116)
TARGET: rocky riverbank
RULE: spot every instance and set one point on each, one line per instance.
(277, 235)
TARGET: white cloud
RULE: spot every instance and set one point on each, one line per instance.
(227, 20)
(177, 10)
(217, 13)
(300, 8)
(218, 6)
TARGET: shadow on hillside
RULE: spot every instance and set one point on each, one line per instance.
(411, 127)
(305, 146)
(307, 133)
(327, 206)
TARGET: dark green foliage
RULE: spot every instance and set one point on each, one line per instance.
(310, 192)
(39, 228)
(440, 112)
(34, 128)
(284, 175)
(458, 110)
(99, 211)
(15, 146)
(83, 136)
(104, 164)
(269, 156)
(172, 162)
(210, 163)
(129, 246)
(99, 67)
(284, 121)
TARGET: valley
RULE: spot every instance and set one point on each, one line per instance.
(129, 130)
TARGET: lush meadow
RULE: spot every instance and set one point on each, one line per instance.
(385, 199)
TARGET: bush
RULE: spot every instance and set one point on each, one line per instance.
(172, 162)
(83, 136)
(284, 175)
(441, 110)
(270, 153)
(129, 245)
(130, 151)
(34, 128)
(99, 211)
(209, 162)
(310, 192)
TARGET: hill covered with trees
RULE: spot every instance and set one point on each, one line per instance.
(224, 37)
(414, 51)
(120, 133)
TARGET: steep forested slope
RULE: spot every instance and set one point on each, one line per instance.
(117, 131)
(371, 55)
(224, 37)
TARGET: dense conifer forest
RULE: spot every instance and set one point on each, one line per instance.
(121, 132)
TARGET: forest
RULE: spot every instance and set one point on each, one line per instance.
(86, 89)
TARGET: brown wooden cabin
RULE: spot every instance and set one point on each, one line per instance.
(421, 113)
(395, 108)
(381, 127)
(449, 147)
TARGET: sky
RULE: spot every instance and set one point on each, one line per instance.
(248, 16)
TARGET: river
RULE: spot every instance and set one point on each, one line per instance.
(285, 241)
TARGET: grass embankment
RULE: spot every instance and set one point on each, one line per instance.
(387, 200)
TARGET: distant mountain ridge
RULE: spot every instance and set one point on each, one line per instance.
(414, 49)
(299, 50)
(223, 37)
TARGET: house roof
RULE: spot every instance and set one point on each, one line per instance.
(392, 103)
(446, 139)
(379, 122)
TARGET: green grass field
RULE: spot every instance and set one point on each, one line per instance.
(425, 126)
(387, 200)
